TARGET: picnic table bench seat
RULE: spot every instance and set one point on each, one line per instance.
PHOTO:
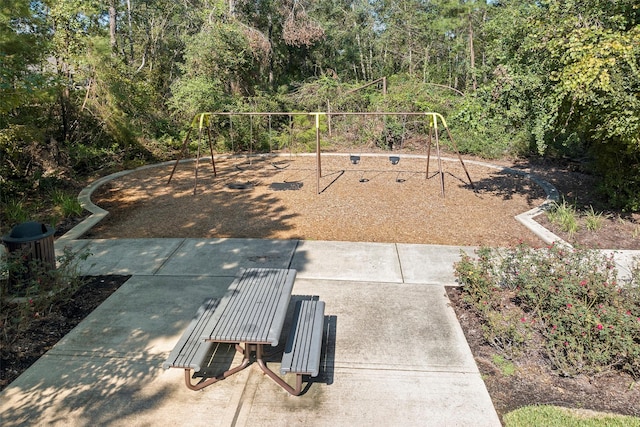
(302, 352)
(191, 351)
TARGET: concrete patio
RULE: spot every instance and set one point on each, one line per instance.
(397, 357)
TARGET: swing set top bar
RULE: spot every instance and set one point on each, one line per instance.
(333, 113)
(435, 116)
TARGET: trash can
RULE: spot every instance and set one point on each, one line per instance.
(34, 241)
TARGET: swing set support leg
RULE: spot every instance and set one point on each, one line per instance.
(429, 141)
(195, 181)
(213, 162)
(428, 152)
(455, 147)
(439, 163)
(184, 149)
(433, 126)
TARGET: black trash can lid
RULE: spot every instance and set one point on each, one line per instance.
(28, 231)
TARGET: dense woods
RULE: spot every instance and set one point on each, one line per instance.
(92, 84)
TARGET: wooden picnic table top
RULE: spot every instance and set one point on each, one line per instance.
(253, 309)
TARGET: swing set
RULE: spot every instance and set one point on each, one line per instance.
(202, 123)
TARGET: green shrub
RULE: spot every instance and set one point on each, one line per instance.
(15, 211)
(593, 219)
(564, 216)
(68, 204)
(29, 288)
(570, 298)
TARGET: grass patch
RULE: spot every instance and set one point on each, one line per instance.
(15, 211)
(593, 219)
(507, 368)
(562, 417)
(564, 216)
(67, 204)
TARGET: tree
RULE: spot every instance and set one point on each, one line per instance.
(407, 35)
(219, 63)
(572, 71)
(22, 48)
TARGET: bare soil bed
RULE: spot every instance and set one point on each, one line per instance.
(19, 351)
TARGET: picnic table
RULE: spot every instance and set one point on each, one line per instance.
(251, 316)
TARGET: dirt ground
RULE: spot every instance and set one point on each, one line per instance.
(20, 350)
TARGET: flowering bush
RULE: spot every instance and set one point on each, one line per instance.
(570, 298)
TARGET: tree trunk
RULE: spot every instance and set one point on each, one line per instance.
(271, 59)
(362, 65)
(370, 61)
(472, 56)
(113, 27)
(63, 70)
(130, 31)
(425, 64)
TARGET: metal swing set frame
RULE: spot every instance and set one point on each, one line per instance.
(202, 124)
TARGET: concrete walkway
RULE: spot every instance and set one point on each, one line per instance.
(394, 352)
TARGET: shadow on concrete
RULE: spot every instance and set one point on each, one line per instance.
(109, 368)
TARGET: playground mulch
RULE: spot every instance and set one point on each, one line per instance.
(282, 198)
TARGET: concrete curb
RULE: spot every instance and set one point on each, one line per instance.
(97, 213)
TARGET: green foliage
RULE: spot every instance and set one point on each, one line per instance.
(480, 133)
(620, 171)
(593, 219)
(29, 288)
(20, 53)
(68, 204)
(196, 95)
(506, 331)
(17, 142)
(301, 136)
(565, 216)
(570, 69)
(544, 415)
(315, 94)
(15, 211)
(506, 367)
(87, 158)
(570, 298)
(219, 63)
